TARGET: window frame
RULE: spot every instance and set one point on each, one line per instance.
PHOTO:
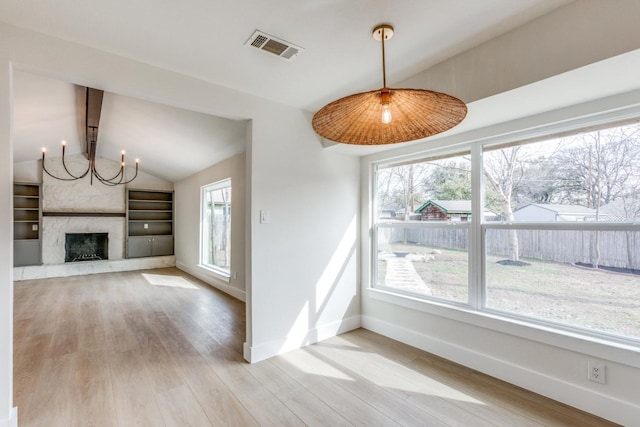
(476, 313)
(221, 273)
(431, 155)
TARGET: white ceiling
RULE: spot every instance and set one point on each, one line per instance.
(205, 39)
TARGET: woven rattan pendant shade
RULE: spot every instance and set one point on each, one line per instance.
(416, 114)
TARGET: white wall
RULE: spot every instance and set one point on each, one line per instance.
(304, 261)
(8, 416)
(187, 222)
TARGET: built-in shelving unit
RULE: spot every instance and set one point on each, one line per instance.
(26, 224)
(149, 223)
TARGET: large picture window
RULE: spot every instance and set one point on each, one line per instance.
(556, 222)
(423, 215)
(216, 226)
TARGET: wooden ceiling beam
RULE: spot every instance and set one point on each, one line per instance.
(92, 117)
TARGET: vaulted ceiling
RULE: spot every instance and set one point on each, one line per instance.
(206, 39)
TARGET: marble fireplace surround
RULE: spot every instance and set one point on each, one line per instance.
(54, 229)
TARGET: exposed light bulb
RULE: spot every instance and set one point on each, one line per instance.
(385, 101)
(386, 114)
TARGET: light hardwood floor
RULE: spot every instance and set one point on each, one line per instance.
(159, 348)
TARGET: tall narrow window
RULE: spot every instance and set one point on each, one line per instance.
(216, 226)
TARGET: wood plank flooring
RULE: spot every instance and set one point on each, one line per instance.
(160, 348)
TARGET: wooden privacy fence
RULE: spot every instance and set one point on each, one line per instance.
(619, 249)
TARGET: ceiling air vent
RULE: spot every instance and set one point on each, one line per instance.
(274, 45)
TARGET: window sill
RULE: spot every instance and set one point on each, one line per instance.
(217, 273)
(627, 354)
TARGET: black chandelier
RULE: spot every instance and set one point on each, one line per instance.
(93, 107)
(118, 179)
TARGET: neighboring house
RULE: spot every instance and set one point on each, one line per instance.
(445, 210)
(539, 212)
(390, 211)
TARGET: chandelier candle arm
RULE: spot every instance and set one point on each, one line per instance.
(71, 177)
(64, 164)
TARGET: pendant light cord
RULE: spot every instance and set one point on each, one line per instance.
(384, 68)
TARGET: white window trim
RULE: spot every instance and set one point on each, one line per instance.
(217, 272)
(616, 349)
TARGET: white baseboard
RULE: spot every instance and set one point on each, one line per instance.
(604, 406)
(246, 352)
(12, 421)
(212, 280)
(283, 345)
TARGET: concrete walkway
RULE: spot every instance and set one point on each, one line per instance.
(402, 275)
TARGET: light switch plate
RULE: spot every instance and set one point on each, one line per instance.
(264, 216)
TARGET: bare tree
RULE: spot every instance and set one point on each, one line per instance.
(402, 185)
(504, 169)
(601, 165)
(604, 166)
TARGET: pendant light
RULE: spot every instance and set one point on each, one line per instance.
(387, 115)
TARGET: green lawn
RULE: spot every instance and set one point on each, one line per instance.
(586, 298)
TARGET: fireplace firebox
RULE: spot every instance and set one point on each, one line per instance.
(86, 247)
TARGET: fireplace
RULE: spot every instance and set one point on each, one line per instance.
(86, 247)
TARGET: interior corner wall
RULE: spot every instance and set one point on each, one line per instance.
(187, 221)
(304, 239)
(7, 412)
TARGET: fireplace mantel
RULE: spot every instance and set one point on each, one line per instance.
(86, 214)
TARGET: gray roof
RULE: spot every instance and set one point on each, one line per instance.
(562, 209)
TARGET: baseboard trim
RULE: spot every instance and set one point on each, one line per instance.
(213, 281)
(590, 401)
(12, 421)
(283, 345)
(246, 352)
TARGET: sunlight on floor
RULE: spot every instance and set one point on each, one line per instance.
(168, 281)
(308, 363)
(387, 373)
